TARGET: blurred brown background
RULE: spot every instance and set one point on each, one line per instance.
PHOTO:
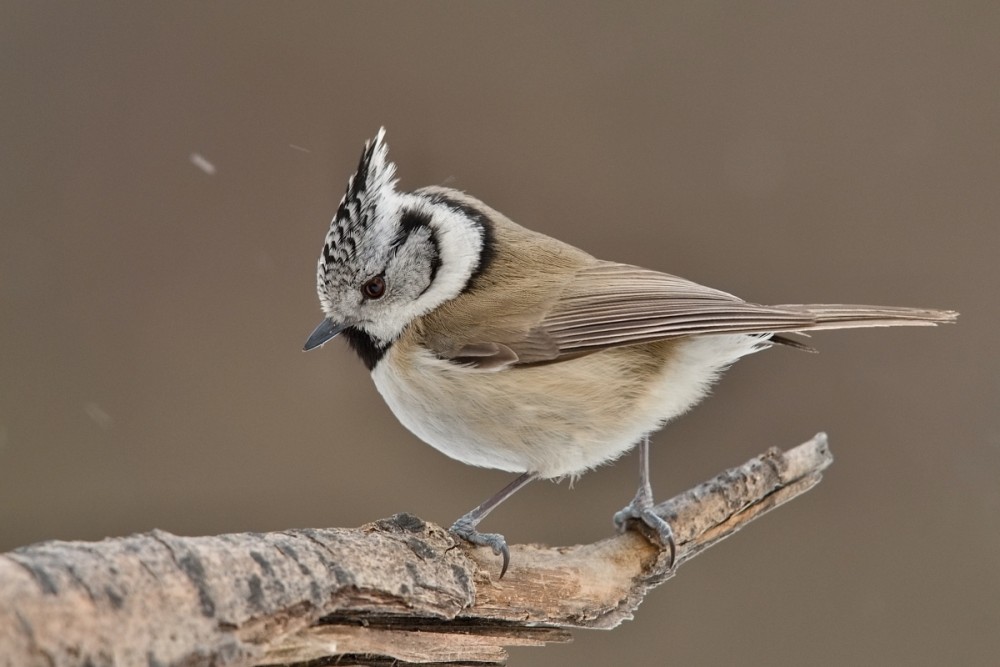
(152, 314)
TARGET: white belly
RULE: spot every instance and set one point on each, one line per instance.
(558, 419)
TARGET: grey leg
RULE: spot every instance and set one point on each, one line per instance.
(641, 507)
(465, 527)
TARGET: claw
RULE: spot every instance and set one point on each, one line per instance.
(494, 541)
(641, 509)
(505, 552)
(465, 527)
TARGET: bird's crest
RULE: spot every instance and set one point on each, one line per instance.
(366, 190)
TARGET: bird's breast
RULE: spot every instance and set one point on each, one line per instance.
(556, 419)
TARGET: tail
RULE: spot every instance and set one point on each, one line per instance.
(839, 316)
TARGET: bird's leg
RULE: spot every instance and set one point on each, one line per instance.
(641, 507)
(465, 527)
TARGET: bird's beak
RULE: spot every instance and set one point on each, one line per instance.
(326, 330)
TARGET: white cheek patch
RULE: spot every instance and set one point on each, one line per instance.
(460, 243)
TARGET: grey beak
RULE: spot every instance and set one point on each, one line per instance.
(326, 330)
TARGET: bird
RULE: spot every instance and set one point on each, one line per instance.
(505, 348)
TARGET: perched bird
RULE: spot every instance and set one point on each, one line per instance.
(505, 348)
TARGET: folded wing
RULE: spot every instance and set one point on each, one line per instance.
(609, 305)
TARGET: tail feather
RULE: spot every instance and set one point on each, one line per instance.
(844, 316)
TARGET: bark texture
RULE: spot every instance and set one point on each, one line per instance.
(397, 591)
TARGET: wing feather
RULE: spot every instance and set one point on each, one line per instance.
(607, 305)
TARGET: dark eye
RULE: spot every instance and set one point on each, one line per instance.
(374, 288)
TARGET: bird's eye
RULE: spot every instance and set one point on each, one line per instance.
(374, 288)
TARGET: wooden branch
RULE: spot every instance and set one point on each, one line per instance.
(397, 591)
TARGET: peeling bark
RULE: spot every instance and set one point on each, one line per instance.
(396, 591)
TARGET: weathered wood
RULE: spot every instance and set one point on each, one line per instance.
(396, 591)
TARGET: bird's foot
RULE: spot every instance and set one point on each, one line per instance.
(641, 509)
(466, 529)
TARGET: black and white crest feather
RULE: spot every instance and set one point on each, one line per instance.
(358, 207)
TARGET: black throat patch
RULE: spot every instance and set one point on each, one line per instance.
(366, 347)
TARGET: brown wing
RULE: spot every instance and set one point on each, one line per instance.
(609, 305)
